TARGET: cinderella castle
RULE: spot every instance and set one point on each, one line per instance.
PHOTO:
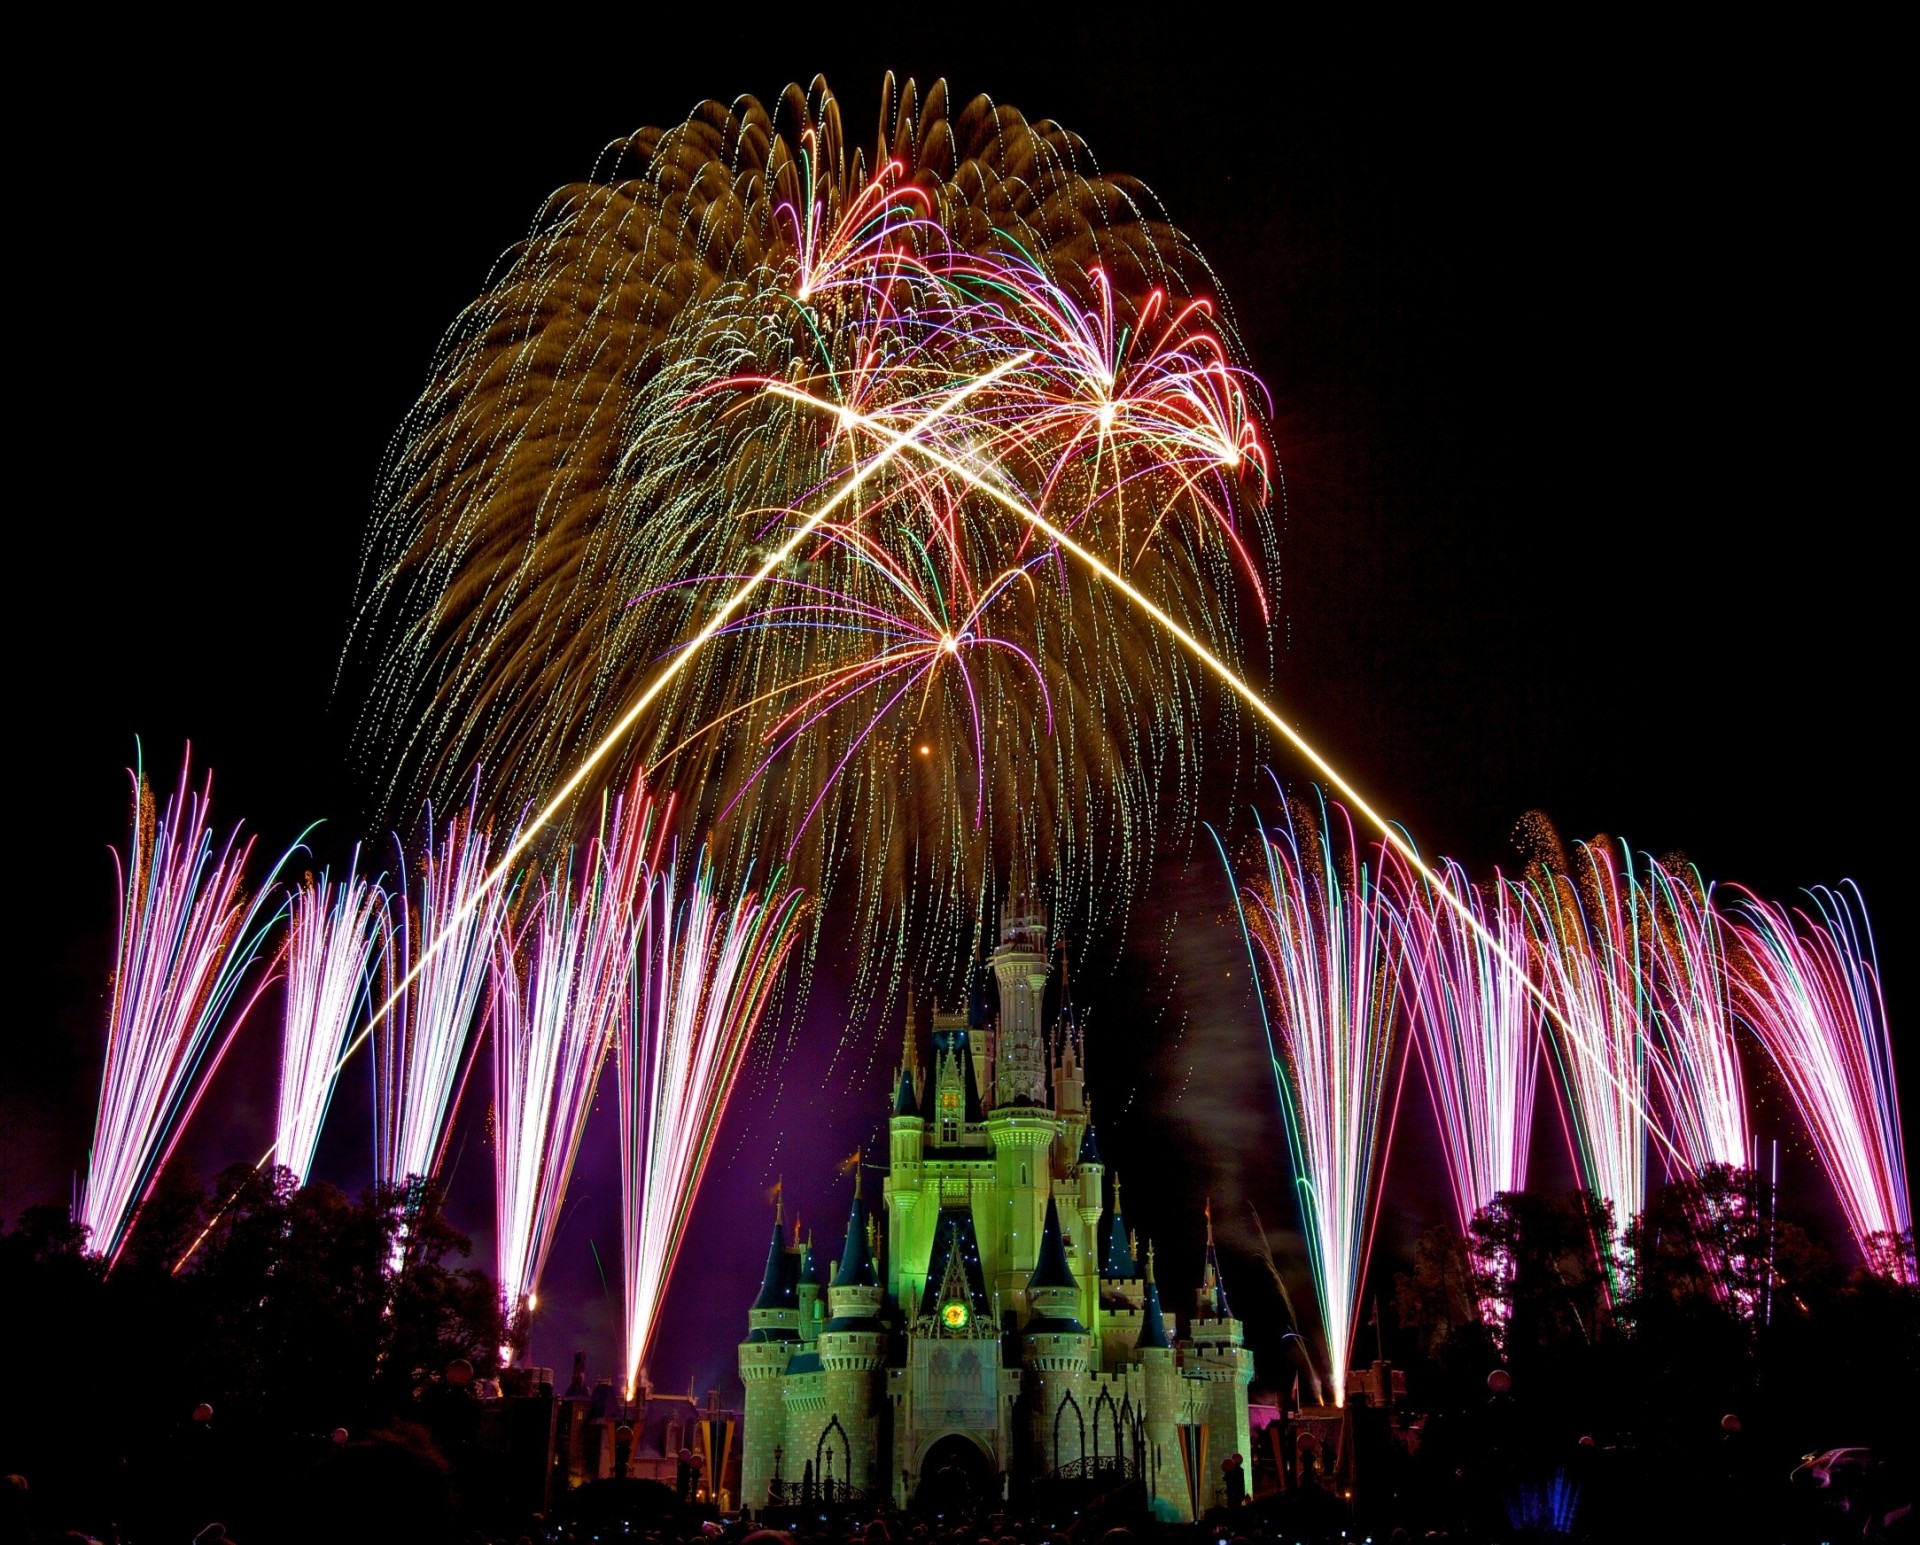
(984, 1335)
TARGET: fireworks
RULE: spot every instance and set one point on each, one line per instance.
(628, 421)
(1695, 1064)
(1588, 946)
(336, 938)
(421, 1034)
(1808, 985)
(700, 985)
(552, 1025)
(1478, 1030)
(189, 939)
(1319, 934)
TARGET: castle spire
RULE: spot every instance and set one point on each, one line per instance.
(856, 1259)
(1119, 1263)
(1051, 1269)
(1213, 1288)
(1153, 1325)
(776, 1283)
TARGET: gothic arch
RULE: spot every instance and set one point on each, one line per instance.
(1104, 1408)
(821, 1451)
(1080, 1423)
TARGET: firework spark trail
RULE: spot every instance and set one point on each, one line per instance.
(1319, 934)
(552, 1027)
(1694, 1061)
(1595, 1065)
(189, 936)
(336, 940)
(593, 433)
(1478, 1029)
(700, 986)
(436, 974)
(456, 926)
(1808, 986)
(1588, 941)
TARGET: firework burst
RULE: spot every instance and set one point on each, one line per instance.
(700, 986)
(436, 975)
(1695, 1064)
(336, 939)
(630, 416)
(189, 940)
(1808, 985)
(1319, 933)
(1477, 1028)
(1589, 950)
(553, 1021)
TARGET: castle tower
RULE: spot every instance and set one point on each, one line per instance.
(1056, 1351)
(851, 1346)
(1069, 1076)
(1154, 1349)
(1020, 968)
(906, 1150)
(1090, 1172)
(1219, 1356)
(773, 1335)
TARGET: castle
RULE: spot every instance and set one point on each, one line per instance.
(986, 1335)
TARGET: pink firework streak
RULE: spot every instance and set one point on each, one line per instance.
(1593, 970)
(1321, 940)
(189, 938)
(702, 980)
(1808, 985)
(421, 1046)
(1696, 1066)
(336, 940)
(552, 1026)
(1477, 1029)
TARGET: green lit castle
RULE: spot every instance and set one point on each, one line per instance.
(988, 1332)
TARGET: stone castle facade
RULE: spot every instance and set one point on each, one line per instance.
(994, 1326)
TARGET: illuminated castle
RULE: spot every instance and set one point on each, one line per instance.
(979, 1337)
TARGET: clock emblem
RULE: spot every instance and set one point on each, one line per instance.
(953, 1314)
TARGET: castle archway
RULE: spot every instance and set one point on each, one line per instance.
(956, 1477)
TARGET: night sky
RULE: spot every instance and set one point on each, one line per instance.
(1584, 357)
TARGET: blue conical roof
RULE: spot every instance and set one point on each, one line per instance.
(1153, 1325)
(776, 1286)
(1089, 1149)
(1051, 1269)
(856, 1262)
(1119, 1262)
(904, 1103)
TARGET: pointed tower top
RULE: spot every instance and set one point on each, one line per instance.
(909, 1053)
(779, 1199)
(776, 1286)
(1051, 1269)
(1153, 1325)
(856, 1259)
(904, 1102)
(1213, 1288)
(1120, 1263)
(1089, 1149)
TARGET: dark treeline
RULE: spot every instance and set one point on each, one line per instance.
(310, 1373)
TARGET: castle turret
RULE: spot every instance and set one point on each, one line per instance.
(1164, 1414)
(1089, 1173)
(1020, 967)
(906, 1145)
(1056, 1350)
(773, 1335)
(851, 1346)
(1218, 1355)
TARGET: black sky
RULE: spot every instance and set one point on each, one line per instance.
(1586, 352)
